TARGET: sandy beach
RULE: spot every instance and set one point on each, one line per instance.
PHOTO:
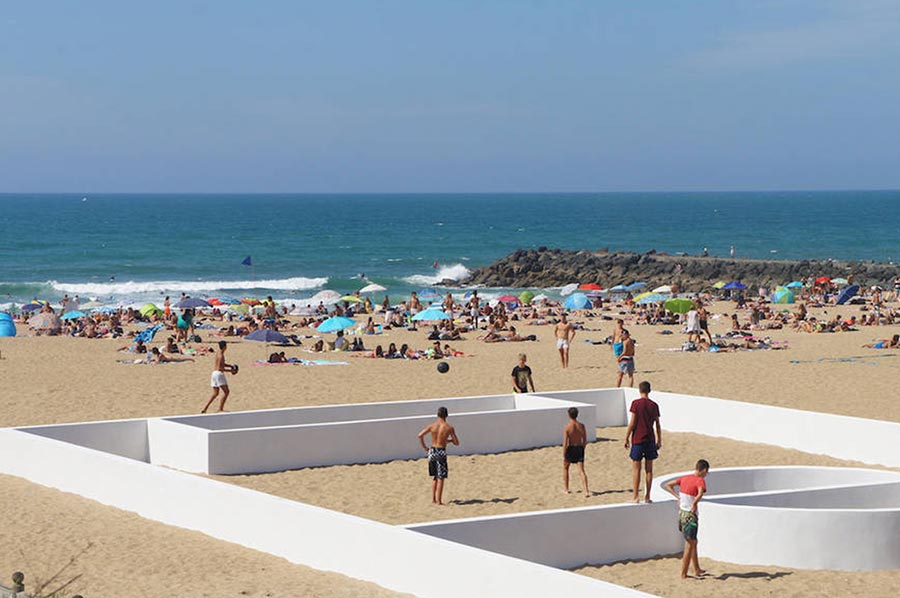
(52, 380)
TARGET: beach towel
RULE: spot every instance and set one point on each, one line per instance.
(307, 362)
(147, 334)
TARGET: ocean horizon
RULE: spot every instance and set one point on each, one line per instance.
(132, 247)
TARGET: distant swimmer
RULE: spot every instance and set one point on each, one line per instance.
(441, 432)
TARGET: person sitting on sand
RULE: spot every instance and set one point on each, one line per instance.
(319, 346)
(171, 345)
(277, 357)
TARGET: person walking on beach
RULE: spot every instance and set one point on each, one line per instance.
(565, 333)
(703, 317)
(521, 376)
(625, 360)
(441, 432)
(218, 380)
(644, 444)
(693, 325)
(691, 488)
(574, 441)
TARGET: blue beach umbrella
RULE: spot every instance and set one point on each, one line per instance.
(577, 301)
(734, 285)
(191, 303)
(335, 323)
(847, 294)
(431, 314)
(32, 306)
(652, 298)
(636, 285)
(266, 335)
(619, 288)
(794, 285)
(73, 315)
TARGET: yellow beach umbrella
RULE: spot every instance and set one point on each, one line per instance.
(351, 299)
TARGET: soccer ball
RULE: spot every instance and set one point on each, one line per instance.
(443, 367)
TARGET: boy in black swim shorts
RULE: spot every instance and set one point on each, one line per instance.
(574, 439)
(441, 433)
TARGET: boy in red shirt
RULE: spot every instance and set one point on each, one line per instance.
(691, 489)
(641, 439)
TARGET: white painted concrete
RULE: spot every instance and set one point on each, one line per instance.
(127, 437)
(390, 556)
(609, 403)
(364, 433)
(802, 517)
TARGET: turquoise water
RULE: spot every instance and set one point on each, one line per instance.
(133, 247)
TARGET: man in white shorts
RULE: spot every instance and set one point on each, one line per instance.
(218, 380)
(564, 332)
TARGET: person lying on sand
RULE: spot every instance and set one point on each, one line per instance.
(885, 343)
(155, 356)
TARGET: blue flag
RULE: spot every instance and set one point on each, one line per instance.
(247, 261)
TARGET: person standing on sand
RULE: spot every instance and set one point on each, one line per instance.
(565, 333)
(440, 432)
(574, 441)
(703, 316)
(521, 376)
(644, 445)
(691, 488)
(218, 380)
(626, 360)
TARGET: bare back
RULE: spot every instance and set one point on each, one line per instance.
(441, 432)
(575, 434)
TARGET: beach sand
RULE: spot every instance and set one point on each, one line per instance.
(53, 380)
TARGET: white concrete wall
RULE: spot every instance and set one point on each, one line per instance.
(390, 556)
(803, 517)
(609, 403)
(491, 425)
(127, 437)
(570, 538)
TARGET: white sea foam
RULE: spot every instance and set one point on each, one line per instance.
(131, 287)
(453, 272)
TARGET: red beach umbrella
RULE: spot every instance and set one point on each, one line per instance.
(590, 286)
(822, 280)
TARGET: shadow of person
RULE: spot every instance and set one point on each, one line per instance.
(601, 493)
(754, 575)
(481, 501)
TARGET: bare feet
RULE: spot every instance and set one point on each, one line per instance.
(636, 500)
(566, 492)
(700, 572)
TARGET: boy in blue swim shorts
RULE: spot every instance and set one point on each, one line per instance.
(640, 437)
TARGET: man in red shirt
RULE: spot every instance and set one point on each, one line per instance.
(691, 489)
(644, 445)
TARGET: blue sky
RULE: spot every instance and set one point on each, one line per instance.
(393, 95)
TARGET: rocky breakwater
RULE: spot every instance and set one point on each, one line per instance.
(556, 267)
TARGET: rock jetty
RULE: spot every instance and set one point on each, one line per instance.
(543, 267)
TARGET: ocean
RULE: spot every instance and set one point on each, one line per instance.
(132, 248)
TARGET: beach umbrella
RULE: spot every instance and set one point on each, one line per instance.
(637, 298)
(508, 298)
(229, 300)
(73, 315)
(372, 288)
(590, 286)
(734, 285)
(428, 294)
(326, 296)
(539, 298)
(719, 284)
(679, 306)
(665, 289)
(568, 289)
(104, 309)
(577, 301)
(619, 288)
(847, 294)
(823, 280)
(335, 323)
(651, 298)
(149, 308)
(45, 321)
(239, 309)
(595, 294)
(783, 296)
(32, 306)
(267, 335)
(351, 299)
(839, 280)
(7, 325)
(526, 297)
(250, 301)
(192, 303)
(430, 315)
(794, 285)
(636, 285)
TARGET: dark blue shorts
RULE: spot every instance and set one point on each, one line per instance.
(647, 450)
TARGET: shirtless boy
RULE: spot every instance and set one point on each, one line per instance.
(574, 440)
(441, 432)
(564, 332)
(218, 380)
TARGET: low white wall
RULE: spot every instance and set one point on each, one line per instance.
(127, 437)
(392, 557)
(570, 538)
(177, 445)
(609, 403)
(803, 517)
(840, 436)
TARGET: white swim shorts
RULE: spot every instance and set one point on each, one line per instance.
(218, 379)
(562, 343)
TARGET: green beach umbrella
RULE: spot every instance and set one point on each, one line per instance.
(719, 284)
(526, 297)
(679, 306)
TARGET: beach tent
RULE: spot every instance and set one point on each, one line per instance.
(335, 323)
(526, 297)
(847, 294)
(568, 289)
(577, 301)
(267, 335)
(432, 314)
(7, 326)
(149, 308)
(782, 296)
(679, 306)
